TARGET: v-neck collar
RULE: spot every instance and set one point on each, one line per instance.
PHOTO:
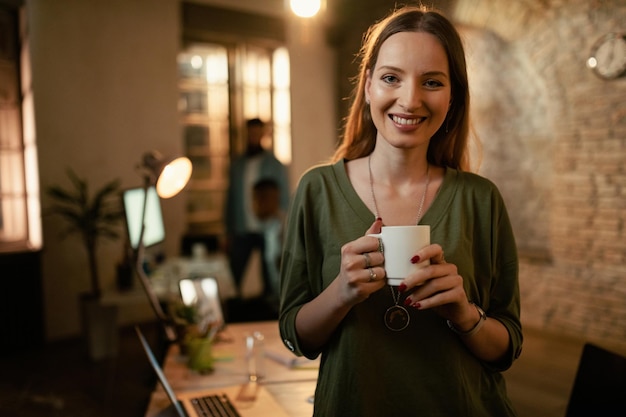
(432, 216)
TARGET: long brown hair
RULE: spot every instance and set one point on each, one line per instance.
(449, 145)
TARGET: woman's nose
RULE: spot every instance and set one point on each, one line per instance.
(410, 97)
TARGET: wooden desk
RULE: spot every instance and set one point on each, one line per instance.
(291, 386)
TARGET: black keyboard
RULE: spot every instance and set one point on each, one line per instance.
(217, 405)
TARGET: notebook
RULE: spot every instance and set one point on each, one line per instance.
(222, 402)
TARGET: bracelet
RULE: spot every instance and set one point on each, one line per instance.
(477, 326)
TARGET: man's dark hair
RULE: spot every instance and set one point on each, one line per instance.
(255, 122)
(266, 184)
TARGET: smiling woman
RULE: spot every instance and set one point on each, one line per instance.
(403, 161)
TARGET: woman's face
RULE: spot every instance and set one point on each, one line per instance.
(409, 90)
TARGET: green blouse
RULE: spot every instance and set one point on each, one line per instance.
(424, 370)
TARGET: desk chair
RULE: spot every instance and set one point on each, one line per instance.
(600, 384)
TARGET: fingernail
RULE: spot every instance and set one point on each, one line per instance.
(407, 302)
(402, 288)
(380, 219)
(415, 259)
(417, 305)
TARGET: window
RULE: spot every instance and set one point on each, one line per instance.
(234, 67)
(20, 224)
(204, 106)
(221, 86)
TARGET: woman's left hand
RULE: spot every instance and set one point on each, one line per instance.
(438, 286)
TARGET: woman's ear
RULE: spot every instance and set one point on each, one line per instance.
(366, 87)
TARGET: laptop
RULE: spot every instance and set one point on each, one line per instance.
(203, 293)
(220, 402)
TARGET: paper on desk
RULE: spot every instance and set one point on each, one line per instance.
(287, 358)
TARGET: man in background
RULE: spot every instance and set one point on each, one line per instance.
(243, 228)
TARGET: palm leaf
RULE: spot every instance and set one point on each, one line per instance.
(92, 218)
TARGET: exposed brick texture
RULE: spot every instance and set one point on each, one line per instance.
(557, 150)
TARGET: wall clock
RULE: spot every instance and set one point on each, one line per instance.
(608, 56)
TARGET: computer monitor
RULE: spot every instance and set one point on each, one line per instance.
(133, 201)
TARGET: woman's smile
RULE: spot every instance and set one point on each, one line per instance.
(406, 121)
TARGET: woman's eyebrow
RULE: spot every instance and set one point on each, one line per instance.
(426, 73)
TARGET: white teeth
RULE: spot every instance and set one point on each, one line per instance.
(403, 121)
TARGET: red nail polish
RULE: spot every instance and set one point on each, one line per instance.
(402, 288)
(380, 219)
(417, 305)
(407, 302)
(415, 259)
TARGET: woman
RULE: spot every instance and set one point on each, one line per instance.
(404, 160)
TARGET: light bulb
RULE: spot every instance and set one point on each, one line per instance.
(174, 177)
(306, 8)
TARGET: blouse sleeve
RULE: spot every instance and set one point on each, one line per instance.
(296, 287)
(504, 296)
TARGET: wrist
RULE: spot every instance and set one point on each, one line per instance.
(482, 318)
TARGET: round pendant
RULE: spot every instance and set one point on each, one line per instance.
(396, 318)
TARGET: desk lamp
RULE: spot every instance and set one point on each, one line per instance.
(169, 176)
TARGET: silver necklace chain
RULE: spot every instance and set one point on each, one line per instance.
(421, 206)
(396, 297)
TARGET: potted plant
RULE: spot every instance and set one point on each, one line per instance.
(93, 218)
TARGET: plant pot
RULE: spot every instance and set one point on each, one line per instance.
(99, 327)
(200, 355)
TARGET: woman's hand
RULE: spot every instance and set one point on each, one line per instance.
(361, 272)
(440, 287)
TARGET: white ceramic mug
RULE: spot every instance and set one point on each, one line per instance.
(399, 245)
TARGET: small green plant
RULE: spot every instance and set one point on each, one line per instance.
(92, 217)
(186, 315)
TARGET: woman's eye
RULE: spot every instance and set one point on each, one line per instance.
(433, 83)
(390, 79)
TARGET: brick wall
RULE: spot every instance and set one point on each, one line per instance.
(555, 143)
